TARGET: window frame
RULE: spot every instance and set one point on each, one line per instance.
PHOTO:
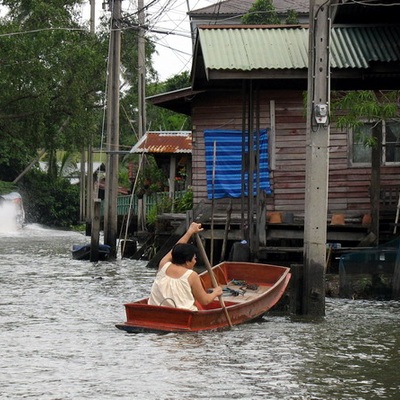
(384, 141)
(383, 160)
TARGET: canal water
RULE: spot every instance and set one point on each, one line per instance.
(59, 341)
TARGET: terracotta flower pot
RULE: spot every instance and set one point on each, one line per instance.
(366, 220)
(337, 219)
(274, 217)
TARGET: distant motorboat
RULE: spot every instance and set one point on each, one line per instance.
(12, 208)
(82, 252)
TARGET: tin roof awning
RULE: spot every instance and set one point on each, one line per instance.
(178, 100)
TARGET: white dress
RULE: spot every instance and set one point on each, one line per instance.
(172, 292)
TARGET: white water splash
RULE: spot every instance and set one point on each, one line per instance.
(8, 218)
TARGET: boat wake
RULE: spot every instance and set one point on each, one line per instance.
(8, 219)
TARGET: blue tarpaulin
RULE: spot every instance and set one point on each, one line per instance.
(227, 170)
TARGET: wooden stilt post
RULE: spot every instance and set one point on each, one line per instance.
(95, 234)
(396, 278)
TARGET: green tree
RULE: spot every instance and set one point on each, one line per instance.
(130, 86)
(163, 119)
(262, 12)
(52, 75)
(157, 118)
(50, 201)
(351, 110)
(53, 83)
(292, 18)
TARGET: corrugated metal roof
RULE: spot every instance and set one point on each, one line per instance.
(164, 142)
(356, 47)
(247, 48)
(253, 48)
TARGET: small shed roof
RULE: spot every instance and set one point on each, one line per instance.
(165, 142)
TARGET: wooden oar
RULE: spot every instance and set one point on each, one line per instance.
(212, 276)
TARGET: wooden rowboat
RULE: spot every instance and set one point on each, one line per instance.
(250, 290)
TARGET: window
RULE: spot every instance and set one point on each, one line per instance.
(361, 152)
(391, 143)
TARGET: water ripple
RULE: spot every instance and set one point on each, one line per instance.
(59, 341)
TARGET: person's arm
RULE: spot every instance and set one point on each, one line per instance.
(198, 291)
(193, 228)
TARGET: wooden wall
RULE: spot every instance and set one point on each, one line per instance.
(348, 185)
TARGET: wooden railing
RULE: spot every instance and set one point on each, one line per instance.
(150, 200)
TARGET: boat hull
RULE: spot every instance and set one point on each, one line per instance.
(252, 288)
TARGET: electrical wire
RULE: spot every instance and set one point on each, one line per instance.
(371, 3)
(42, 30)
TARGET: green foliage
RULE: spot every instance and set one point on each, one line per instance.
(151, 177)
(177, 82)
(129, 119)
(166, 120)
(185, 202)
(292, 18)
(165, 205)
(51, 79)
(51, 202)
(53, 82)
(123, 176)
(163, 119)
(7, 187)
(262, 12)
(352, 109)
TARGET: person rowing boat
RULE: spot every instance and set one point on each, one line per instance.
(176, 284)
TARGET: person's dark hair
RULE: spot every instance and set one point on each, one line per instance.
(183, 252)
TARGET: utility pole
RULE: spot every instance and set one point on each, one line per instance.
(317, 160)
(142, 69)
(89, 172)
(86, 174)
(111, 184)
(141, 96)
(92, 15)
(192, 27)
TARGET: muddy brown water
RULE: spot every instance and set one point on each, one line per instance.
(59, 341)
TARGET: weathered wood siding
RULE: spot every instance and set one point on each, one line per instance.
(348, 185)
